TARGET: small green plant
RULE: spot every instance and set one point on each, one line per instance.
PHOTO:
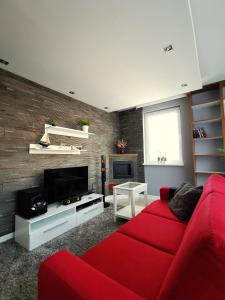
(84, 122)
(222, 152)
(52, 122)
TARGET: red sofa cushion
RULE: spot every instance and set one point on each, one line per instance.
(160, 208)
(198, 269)
(133, 264)
(66, 276)
(156, 231)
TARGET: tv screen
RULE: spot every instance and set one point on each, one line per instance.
(65, 183)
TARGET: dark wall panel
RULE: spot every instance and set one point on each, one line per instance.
(131, 129)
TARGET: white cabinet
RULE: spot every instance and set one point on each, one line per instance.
(89, 213)
(59, 219)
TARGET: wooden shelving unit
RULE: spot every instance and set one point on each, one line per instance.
(222, 101)
(207, 112)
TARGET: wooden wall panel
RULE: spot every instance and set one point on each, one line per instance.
(24, 109)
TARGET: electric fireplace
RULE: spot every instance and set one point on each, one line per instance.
(123, 169)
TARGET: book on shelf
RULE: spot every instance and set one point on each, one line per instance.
(199, 133)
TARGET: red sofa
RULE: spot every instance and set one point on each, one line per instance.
(153, 256)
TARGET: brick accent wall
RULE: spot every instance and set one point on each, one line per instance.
(24, 109)
(131, 128)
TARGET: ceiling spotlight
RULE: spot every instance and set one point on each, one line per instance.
(168, 48)
(71, 92)
(4, 62)
(106, 107)
(184, 85)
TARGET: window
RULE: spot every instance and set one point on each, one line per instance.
(162, 137)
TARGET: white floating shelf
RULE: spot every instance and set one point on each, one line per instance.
(67, 131)
(38, 149)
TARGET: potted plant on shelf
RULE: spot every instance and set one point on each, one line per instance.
(52, 122)
(121, 145)
(85, 124)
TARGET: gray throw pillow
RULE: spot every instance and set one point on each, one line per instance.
(184, 201)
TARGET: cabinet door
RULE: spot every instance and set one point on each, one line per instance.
(89, 213)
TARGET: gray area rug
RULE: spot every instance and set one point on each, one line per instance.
(19, 268)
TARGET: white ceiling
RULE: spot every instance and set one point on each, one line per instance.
(209, 23)
(110, 52)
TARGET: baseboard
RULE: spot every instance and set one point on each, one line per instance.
(7, 237)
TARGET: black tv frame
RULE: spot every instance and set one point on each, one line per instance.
(51, 176)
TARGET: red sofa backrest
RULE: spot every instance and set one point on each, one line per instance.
(198, 269)
(215, 183)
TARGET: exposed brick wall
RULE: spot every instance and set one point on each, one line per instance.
(24, 109)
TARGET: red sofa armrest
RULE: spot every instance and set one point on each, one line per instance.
(66, 276)
(167, 192)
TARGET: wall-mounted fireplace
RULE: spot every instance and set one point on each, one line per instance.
(123, 169)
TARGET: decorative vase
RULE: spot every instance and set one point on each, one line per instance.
(45, 141)
(85, 128)
(121, 150)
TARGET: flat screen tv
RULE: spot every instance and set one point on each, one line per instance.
(65, 183)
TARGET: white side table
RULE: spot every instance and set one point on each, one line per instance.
(132, 189)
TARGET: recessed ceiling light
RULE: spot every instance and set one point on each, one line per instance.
(4, 62)
(106, 107)
(71, 92)
(168, 48)
(184, 85)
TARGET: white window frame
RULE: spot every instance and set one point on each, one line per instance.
(147, 160)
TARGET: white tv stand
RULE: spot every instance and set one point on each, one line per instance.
(31, 233)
